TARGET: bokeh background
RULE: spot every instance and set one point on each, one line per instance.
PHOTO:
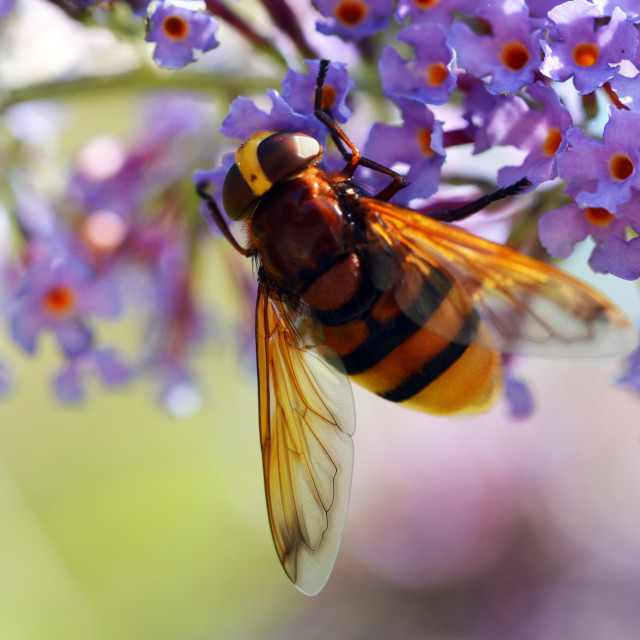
(120, 522)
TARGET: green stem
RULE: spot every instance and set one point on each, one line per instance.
(218, 85)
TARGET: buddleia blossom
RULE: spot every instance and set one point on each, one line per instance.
(178, 32)
(353, 19)
(291, 109)
(580, 49)
(456, 80)
(509, 55)
(5, 7)
(416, 143)
(429, 76)
(603, 173)
(431, 12)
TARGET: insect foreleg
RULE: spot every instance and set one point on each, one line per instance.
(214, 210)
(353, 156)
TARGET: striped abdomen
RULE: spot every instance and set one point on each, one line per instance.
(426, 355)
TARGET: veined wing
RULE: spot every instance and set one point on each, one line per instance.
(531, 307)
(306, 422)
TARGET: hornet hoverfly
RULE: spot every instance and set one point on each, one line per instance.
(411, 308)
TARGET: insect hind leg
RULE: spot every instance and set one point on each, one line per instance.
(352, 156)
(460, 213)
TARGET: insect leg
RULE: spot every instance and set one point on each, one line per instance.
(352, 156)
(453, 215)
(214, 210)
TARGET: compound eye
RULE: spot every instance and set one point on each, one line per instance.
(282, 155)
(237, 196)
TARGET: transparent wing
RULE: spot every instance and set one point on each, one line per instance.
(532, 308)
(306, 422)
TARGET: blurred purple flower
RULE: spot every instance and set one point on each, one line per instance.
(353, 19)
(177, 32)
(631, 377)
(5, 7)
(518, 396)
(432, 12)
(105, 364)
(61, 295)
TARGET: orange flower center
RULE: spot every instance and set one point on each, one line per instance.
(514, 56)
(552, 142)
(59, 301)
(436, 74)
(175, 27)
(621, 166)
(350, 12)
(586, 54)
(425, 4)
(598, 216)
(424, 138)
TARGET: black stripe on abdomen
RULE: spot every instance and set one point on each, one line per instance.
(437, 365)
(385, 337)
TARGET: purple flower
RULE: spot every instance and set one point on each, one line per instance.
(353, 19)
(618, 257)
(561, 229)
(245, 118)
(518, 396)
(105, 364)
(177, 32)
(427, 77)
(60, 295)
(540, 8)
(603, 174)
(6, 380)
(539, 133)
(510, 55)
(580, 50)
(418, 143)
(630, 7)
(628, 91)
(298, 89)
(5, 7)
(631, 377)
(432, 12)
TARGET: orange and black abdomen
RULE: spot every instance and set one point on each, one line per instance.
(431, 355)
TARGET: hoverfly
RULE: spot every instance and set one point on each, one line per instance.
(411, 308)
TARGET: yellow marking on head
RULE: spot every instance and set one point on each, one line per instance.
(249, 165)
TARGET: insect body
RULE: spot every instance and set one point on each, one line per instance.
(409, 307)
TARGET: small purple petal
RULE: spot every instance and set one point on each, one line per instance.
(74, 338)
(519, 397)
(67, 384)
(111, 368)
(619, 257)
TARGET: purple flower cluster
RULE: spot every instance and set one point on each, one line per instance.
(460, 75)
(109, 246)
